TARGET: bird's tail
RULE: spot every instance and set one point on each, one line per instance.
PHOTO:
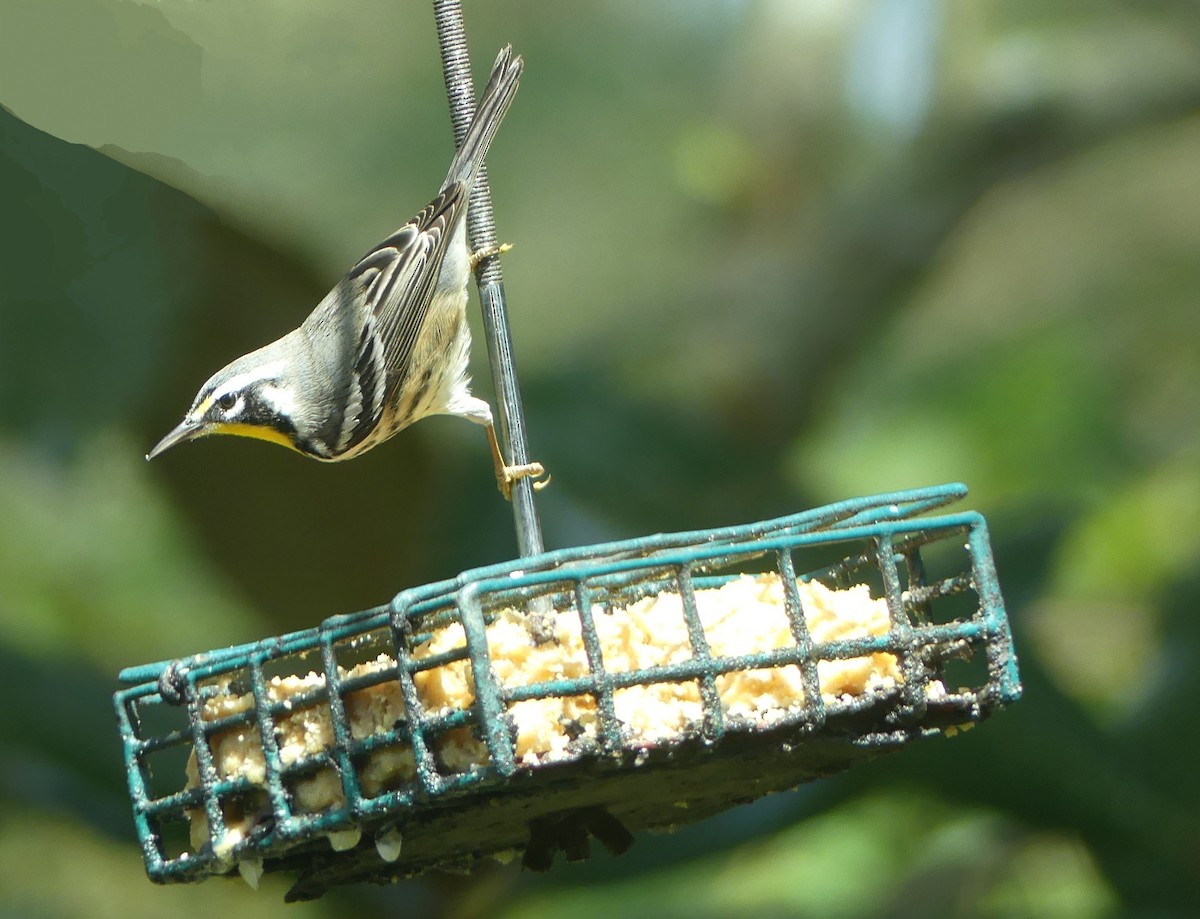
(493, 105)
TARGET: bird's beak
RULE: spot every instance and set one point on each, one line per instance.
(186, 430)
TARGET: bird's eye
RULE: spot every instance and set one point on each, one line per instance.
(227, 401)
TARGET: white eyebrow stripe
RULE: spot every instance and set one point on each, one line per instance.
(242, 380)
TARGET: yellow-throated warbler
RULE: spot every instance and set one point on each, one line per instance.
(386, 347)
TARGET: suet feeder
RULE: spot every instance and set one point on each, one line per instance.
(519, 709)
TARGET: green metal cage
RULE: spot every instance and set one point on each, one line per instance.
(948, 632)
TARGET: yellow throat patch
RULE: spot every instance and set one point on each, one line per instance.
(258, 432)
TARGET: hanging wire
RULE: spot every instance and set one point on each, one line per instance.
(481, 226)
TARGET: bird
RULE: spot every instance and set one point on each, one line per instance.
(387, 346)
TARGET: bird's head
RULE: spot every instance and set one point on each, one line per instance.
(250, 397)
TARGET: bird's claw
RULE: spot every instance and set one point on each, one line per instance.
(512, 474)
(488, 252)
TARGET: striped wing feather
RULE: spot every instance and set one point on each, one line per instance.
(403, 273)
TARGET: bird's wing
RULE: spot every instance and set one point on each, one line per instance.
(399, 276)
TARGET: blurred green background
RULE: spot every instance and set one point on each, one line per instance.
(768, 255)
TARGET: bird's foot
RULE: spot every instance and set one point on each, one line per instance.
(488, 252)
(511, 474)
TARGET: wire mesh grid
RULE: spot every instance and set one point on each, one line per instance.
(284, 770)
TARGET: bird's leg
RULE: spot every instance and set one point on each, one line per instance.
(488, 252)
(506, 474)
